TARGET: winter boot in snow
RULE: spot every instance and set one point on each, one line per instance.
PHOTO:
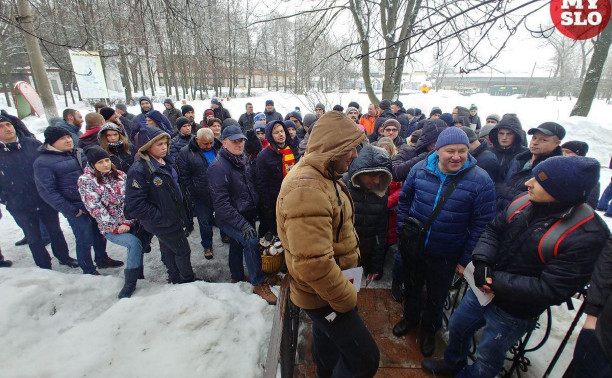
(131, 276)
(4, 263)
(141, 273)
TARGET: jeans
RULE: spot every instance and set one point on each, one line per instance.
(342, 346)
(589, 358)
(250, 249)
(398, 270)
(204, 212)
(437, 274)
(501, 331)
(604, 201)
(176, 256)
(32, 222)
(133, 245)
(87, 235)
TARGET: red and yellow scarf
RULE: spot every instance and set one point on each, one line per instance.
(288, 159)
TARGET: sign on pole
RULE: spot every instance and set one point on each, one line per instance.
(89, 74)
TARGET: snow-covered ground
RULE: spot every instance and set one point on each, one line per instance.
(62, 323)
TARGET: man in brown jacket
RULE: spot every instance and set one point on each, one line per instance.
(315, 223)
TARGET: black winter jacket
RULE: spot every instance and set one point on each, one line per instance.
(269, 176)
(524, 286)
(273, 116)
(505, 155)
(514, 183)
(122, 160)
(599, 300)
(17, 174)
(221, 113)
(193, 167)
(56, 174)
(486, 160)
(172, 114)
(232, 190)
(246, 122)
(370, 206)
(178, 142)
(152, 197)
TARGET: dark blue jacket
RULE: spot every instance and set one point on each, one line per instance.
(402, 118)
(56, 175)
(273, 116)
(232, 190)
(193, 167)
(17, 174)
(152, 197)
(486, 160)
(269, 176)
(455, 231)
(177, 143)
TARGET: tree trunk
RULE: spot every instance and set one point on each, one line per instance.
(356, 11)
(593, 74)
(36, 60)
(125, 75)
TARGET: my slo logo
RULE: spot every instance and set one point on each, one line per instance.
(580, 19)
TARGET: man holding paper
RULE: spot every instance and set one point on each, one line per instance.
(315, 214)
(536, 254)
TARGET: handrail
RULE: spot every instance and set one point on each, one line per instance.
(276, 333)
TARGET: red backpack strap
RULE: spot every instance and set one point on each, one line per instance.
(549, 244)
(516, 206)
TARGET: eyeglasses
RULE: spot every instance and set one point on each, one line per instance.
(391, 130)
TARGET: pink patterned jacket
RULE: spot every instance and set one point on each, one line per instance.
(104, 202)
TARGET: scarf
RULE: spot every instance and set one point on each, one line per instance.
(288, 159)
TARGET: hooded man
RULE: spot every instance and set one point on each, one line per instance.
(320, 241)
(433, 256)
(171, 112)
(17, 155)
(56, 172)
(153, 196)
(507, 139)
(512, 261)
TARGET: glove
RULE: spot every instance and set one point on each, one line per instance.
(248, 232)
(188, 230)
(482, 271)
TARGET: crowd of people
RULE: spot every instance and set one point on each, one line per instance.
(340, 189)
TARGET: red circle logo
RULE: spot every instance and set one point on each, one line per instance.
(580, 19)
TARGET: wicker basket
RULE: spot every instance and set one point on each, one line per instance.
(272, 264)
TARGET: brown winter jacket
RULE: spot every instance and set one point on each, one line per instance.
(315, 217)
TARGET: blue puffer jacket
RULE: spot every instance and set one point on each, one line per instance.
(193, 170)
(465, 214)
(232, 190)
(56, 174)
(269, 175)
(17, 174)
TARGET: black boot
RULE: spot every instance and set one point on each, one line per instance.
(141, 273)
(109, 263)
(23, 241)
(428, 342)
(403, 326)
(397, 290)
(4, 263)
(131, 276)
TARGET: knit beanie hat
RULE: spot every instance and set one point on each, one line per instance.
(473, 107)
(208, 112)
(289, 123)
(351, 109)
(260, 127)
(269, 102)
(53, 133)
(470, 133)
(320, 106)
(385, 104)
(259, 117)
(494, 117)
(448, 118)
(569, 179)
(398, 103)
(186, 108)
(452, 135)
(354, 104)
(485, 130)
(297, 115)
(107, 112)
(338, 108)
(215, 101)
(121, 107)
(181, 121)
(309, 119)
(578, 147)
(410, 111)
(94, 154)
(252, 145)
(435, 110)
(417, 112)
